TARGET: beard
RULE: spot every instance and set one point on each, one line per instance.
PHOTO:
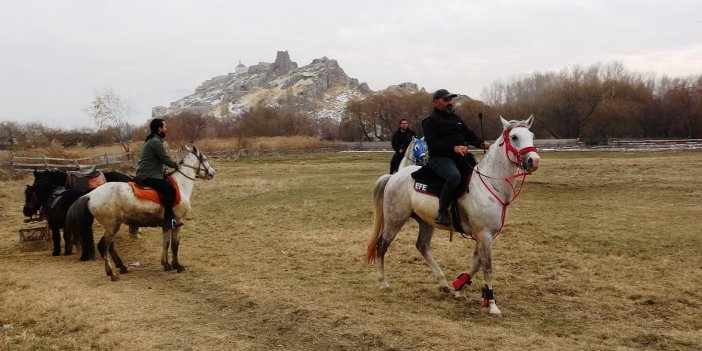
(162, 134)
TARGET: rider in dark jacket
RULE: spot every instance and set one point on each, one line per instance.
(447, 138)
(400, 140)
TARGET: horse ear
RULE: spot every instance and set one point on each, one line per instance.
(422, 139)
(188, 148)
(529, 121)
(505, 123)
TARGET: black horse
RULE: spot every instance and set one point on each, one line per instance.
(50, 197)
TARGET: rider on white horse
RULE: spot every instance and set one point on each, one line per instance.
(447, 137)
(149, 170)
(400, 140)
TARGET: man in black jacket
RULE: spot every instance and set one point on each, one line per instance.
(447, 138)
(400, 140)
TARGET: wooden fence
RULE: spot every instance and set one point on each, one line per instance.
(70, 164)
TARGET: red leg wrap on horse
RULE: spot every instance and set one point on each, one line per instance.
(461, 280)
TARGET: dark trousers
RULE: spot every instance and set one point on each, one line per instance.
(166, 192)
(447, 168)
(395, 162)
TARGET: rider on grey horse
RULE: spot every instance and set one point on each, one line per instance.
(447, 137)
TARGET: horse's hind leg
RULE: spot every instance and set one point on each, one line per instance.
(175, 244)
(104, 246)
(381, 247)
(56, 238)
(117, 260)
(426, 232)
(164, 254)
(134, 231)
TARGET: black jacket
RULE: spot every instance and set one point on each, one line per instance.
(400, 140)
(443, 130)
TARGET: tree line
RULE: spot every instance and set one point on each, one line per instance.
(596, 102)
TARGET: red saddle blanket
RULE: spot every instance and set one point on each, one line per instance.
(146, 193)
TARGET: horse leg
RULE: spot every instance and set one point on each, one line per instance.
(381, 247)
(104, 247)
(175, 243)
(474, 268)
(117, 260)
(484, 246)
(56, 238)
(134, 231)
(426, 232)
(164, 254)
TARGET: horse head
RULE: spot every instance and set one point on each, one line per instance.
(419, 151)
(31, 202)
(196, 160)
(519, 144)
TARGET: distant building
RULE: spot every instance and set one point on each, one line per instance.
(240, 67)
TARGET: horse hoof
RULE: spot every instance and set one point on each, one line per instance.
(114, 278)
(123, 270)
(459, 294)
(180, 269)
(56, 253)
(68, 253)
(384, 286)
(167, 267)
(493, 309)
(444, 289)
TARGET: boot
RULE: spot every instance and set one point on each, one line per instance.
(444, 218)
(171, 224)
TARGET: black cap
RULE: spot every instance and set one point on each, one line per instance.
(443, 93)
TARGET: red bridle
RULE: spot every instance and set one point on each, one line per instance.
(510, 149)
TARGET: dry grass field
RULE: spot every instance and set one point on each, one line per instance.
(602, 251)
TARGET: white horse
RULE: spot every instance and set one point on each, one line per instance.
(416, 153)
(113, 204)
(484, 207)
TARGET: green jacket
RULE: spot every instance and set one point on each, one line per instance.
(152, 158)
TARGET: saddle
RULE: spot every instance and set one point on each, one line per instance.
(85, 182)
(426, 181)
(143, 192)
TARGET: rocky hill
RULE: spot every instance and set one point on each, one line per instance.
(320, 89)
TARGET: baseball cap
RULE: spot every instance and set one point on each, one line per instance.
(443, 93)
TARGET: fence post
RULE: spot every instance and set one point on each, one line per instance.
(45, 161)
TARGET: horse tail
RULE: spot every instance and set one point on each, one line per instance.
(79, 222)
(378, 216)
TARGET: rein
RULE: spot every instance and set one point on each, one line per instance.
(197, 169)
(509, 148)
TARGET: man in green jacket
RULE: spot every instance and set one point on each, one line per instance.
(150, 170)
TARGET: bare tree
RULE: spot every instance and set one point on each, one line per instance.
(110, 111)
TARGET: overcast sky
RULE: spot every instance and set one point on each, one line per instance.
(54, 55)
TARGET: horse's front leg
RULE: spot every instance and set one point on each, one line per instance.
(164, 253)
(175, 244)
(484, 245)
(462, 280)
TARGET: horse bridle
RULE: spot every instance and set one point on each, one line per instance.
(197, 169)
(509, 149)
